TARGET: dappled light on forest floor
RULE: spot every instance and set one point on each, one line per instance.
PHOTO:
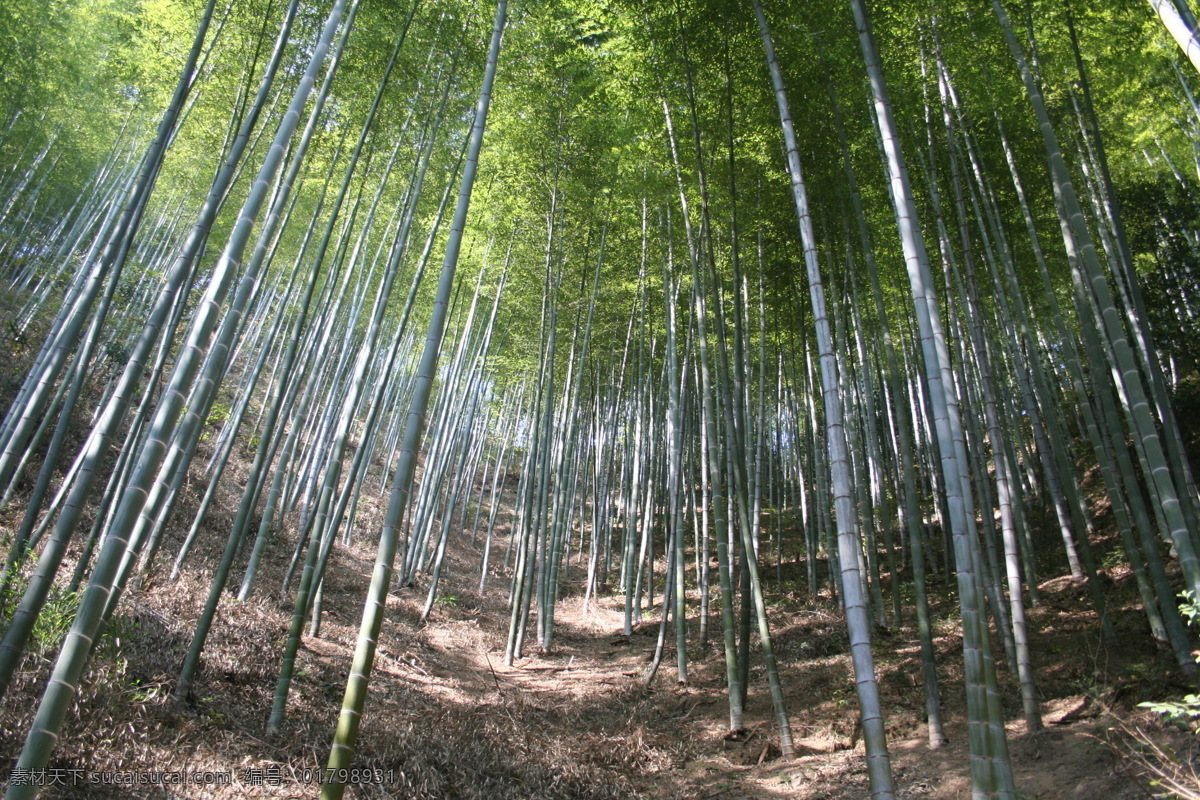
(447, 718)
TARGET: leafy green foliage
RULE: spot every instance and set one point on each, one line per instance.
(52, 623)
(1162, 219)
(577, 124)
(1185, 712)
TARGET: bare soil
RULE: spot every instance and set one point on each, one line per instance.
(446, 718)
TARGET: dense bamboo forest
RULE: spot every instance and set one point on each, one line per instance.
(582, 399)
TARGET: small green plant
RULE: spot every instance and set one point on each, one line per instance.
(448, 600)
(1190, 608)
(218, 412)
(120, 628)
(142, 692)
(55, 620)
(1185, 712)
(1114, 559)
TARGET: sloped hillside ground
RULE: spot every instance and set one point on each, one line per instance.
(446, 719)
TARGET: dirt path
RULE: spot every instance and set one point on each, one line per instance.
(446, 719)
(669, 741)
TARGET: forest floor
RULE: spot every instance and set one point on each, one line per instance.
(446, 719)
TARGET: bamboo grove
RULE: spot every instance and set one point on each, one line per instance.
(722, 286)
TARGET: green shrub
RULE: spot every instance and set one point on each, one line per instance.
(1185, 712)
